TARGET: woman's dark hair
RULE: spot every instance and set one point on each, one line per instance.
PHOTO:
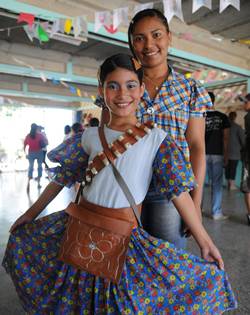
(212, 96)
(141, 15)
(33, 130)
(94, 122)
(119, 61)
(77, 127)
(232, 116)
(67, 129)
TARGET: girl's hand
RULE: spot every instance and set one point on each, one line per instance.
(211, 253)
(25, 218)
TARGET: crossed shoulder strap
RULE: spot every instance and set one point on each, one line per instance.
(117, 148)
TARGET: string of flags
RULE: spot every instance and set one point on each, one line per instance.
(110, 20)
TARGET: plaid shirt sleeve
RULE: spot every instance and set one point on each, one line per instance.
(200, 101)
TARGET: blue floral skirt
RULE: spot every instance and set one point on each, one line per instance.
(157, 278)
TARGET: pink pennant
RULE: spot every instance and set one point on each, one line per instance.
(111, 29)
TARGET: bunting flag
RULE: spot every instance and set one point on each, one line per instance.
(43, 77)
(102, 18)
(144, 6)
(26, 17)
(67, 26)
(197, 4)
(80, 26)
(225, 3)
(55, 27)
(31, 32)
(111, 29)
(172, 8)
(120, 15)
(72, 89)
(42, 35)
(78, 92)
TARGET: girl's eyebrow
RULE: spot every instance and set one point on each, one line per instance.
(129, 81)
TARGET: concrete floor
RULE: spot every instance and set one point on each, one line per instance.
(231, 236)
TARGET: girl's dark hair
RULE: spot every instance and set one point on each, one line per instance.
(119, 61)
(33, 130)
(141, 15)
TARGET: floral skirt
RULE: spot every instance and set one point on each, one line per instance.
(157, 278)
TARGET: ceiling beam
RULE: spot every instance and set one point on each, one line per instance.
(68, 76)
(227, 82)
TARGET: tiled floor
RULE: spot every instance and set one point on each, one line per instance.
(231, 236)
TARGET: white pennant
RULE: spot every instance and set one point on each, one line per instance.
(80, 26)
(102, 18)
(120, 15)
(225, 3)
(171, 8)
(197, 4)
(30, 31)
(55, 27)
(144, 6)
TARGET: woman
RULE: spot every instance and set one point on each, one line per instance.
(178, 106)
(157, 278)
(35, 141)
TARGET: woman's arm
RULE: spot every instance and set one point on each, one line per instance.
(186, 208)
(195, 136)
(49, 193)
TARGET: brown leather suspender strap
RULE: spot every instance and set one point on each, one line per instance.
(118, 176)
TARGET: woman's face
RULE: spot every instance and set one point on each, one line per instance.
(150, 41)
(122, 92)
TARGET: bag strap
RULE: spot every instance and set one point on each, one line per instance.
(118, 176)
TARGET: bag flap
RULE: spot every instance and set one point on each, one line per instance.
(108, 223)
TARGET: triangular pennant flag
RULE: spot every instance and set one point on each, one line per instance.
(26, 17)
(55, 27)
(172, 8)
(110, 29)
(55, 81)
(30, 31)
(67, 26)
(144, 6)
(72, 89)
(225, 3)
(197, 4)
(80, 26)
(78, 92)
(42, 35)
(120, 15)
(43, 77)
(102, 18)
(64, 84)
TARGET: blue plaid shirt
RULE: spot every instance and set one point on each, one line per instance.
(178, 99)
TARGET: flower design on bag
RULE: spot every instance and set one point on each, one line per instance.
(96, 244)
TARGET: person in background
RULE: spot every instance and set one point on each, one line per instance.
(236, 143)
(76, 128)
(178, 106)
(44, 143)
(67, 132)
(33, 141)
(94, 122)
(245, 181)
(216, 139)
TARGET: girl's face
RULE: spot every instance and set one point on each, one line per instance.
(122, 92)
(150, 41)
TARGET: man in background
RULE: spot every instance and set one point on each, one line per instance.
(216, 140)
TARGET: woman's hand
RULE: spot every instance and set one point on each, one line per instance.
(25, 218)
(211, 253)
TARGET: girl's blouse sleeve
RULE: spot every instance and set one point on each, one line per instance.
(200, 100)
(172, 173)
(73, 161)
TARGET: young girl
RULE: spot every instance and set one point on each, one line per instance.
(178, 106)
(157, 278)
